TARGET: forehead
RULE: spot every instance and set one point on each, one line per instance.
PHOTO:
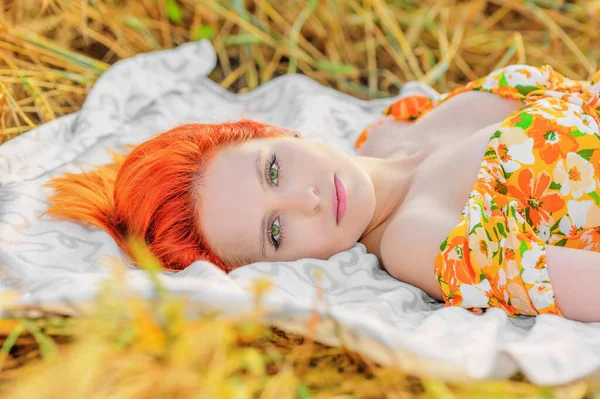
(231, 195)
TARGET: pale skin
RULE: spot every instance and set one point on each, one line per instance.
(407, 175)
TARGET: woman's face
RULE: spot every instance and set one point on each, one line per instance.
(284, 199)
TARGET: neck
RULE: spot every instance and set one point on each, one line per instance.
(392, 179)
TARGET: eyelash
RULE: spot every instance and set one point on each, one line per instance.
(274, 161)
(275, 243)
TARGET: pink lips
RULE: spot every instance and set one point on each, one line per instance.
(339, 199)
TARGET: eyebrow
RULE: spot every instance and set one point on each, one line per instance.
(263, 224)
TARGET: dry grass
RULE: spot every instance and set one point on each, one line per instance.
(52, 52)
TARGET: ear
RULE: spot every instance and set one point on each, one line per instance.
(286, 131)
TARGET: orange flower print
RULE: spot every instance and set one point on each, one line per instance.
(525, 72)
(542, 295)
(595, 161)
(532, 195)
(482, 249)
(503, 153)
(552, 139)
(538, 184)
(591, 239)
(410, 107)
(576, 176)
(499, 296)
(458, 267)
(493, 300)
(509, 254)
(520, 299)
(454, 300)
(364, 135)
(510, 263)
(475, 295)
(361, 139)
(541, 262)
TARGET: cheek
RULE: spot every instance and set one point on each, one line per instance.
(306, 234)
(314, 240)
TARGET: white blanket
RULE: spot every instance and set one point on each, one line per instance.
(52, 262)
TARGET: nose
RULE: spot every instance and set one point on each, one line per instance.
(304, 201)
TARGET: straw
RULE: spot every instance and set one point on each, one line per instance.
(366, 48)
(53, 51)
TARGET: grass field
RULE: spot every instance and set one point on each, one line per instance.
(52, 52)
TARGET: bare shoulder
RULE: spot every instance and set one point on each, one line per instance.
(412, 241)
(455, 119)
(387, 139)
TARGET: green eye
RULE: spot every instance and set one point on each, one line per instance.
(274, 173)
(275, 229)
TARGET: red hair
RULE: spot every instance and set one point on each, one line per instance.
(153, 192)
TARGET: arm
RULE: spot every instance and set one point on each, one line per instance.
(468, 112)
(511, 85)
(575, 276)
(455, 118)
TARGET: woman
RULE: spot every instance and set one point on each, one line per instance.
(518, 147)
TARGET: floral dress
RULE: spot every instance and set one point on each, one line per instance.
(538, 185)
